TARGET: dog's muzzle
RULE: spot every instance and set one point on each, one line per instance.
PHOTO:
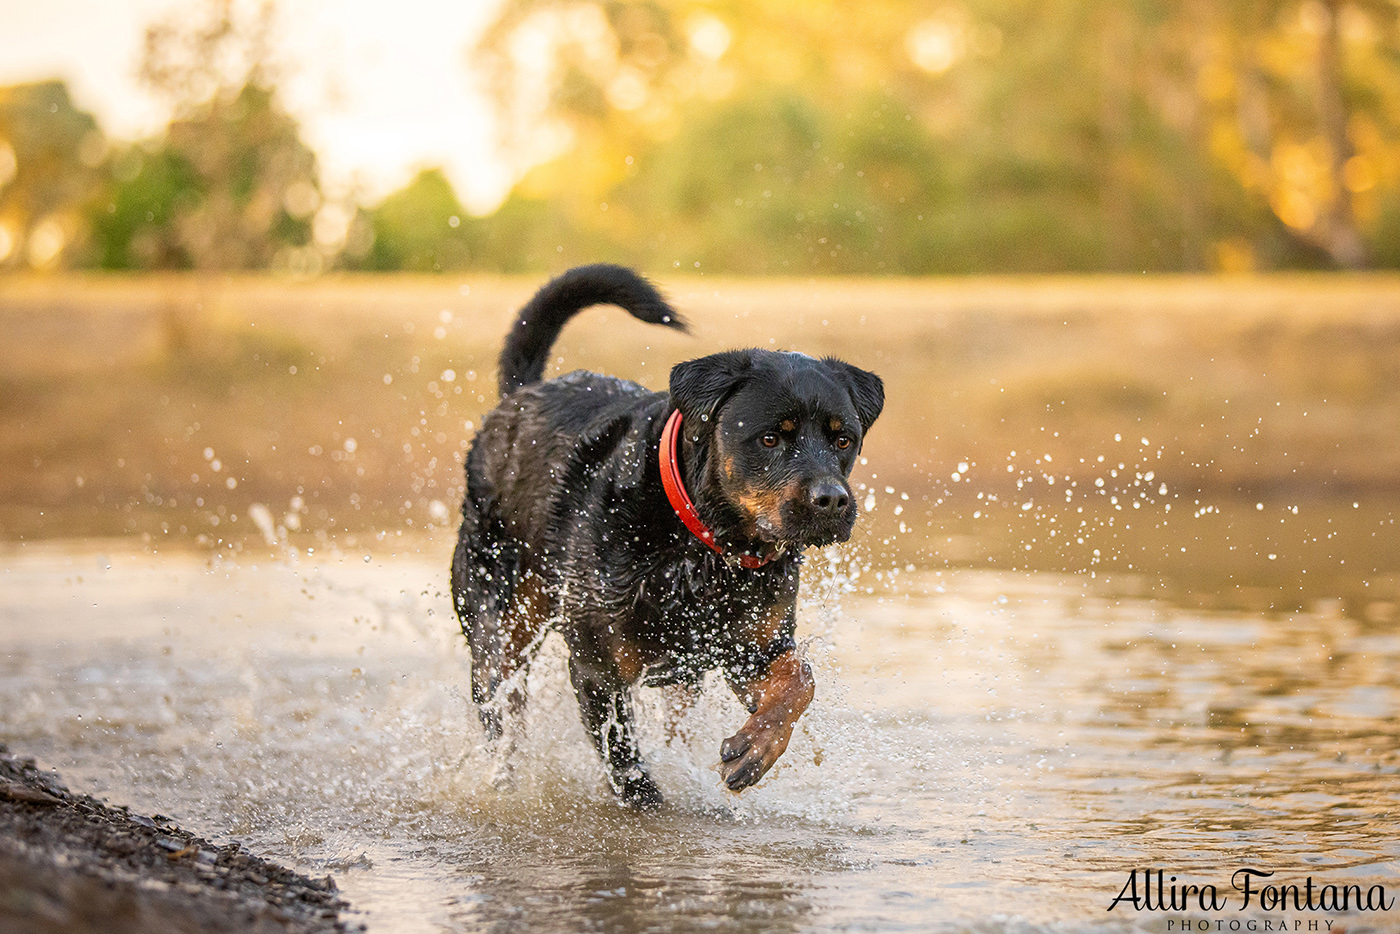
(823, 513)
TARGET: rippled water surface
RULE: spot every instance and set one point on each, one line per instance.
(987, 751)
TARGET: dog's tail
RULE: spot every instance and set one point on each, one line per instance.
(538, 325)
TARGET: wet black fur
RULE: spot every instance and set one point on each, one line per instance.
(566, 524)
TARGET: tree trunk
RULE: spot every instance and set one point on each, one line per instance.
(1115, 129)
(1337, 227)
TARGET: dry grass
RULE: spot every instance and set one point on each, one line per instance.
(116, 394)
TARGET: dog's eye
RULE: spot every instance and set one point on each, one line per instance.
(843, 442)
(770, 440)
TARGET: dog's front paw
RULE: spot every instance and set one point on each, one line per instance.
(749, 754)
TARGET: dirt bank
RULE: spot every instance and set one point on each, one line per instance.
(70, 864)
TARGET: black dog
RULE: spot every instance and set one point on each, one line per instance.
(660, 533)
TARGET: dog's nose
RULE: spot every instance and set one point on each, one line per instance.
(829, 497)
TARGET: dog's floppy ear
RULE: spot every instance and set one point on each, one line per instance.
(867, 390)
(698, 387)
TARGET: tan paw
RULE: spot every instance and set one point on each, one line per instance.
(746, 758)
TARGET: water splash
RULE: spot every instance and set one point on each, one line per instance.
(970, 730)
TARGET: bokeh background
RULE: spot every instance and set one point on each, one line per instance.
(1126, 587)
(1123, 263)
(766, 137)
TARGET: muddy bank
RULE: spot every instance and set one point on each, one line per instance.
(70, 864)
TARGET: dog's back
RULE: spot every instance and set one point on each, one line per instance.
(532, 448)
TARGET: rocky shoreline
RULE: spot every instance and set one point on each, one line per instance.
(70, 864)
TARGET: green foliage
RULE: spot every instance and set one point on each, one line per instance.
(134, 229)
(230, 186)
(1058, 136)
(422, 227)
(778, 136)
(49, 153)
(798, 188)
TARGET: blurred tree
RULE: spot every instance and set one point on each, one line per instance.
(1304, 98)
(776, 136)
(422, 227)
(785, 136)
(49, 157)
(1066, 134)
(230, 185)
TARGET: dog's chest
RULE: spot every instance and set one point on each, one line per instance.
(688, 620)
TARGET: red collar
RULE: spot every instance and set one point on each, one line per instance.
(680, 500)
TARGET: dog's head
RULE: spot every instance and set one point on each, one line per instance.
(784, 430)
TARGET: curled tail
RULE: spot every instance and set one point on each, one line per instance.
(538, 325)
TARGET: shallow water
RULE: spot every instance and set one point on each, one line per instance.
(987, 751)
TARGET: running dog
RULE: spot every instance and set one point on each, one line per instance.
(660, 533)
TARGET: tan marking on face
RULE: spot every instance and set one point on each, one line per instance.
(757, 503)
(765, 504)
(751, 499)
(835, 424)
(787, 424)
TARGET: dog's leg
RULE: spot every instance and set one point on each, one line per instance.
(490, 669)
(512, 646)
(511, 726)
(776, 699)
(605, 705)
(483, 583)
